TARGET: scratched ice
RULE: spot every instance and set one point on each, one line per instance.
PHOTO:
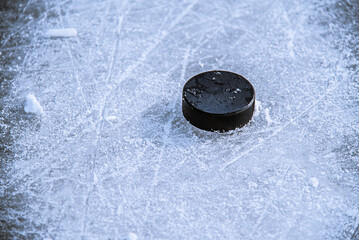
(111, 157)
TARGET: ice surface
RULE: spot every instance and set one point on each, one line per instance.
(32, 105)
(114, 155)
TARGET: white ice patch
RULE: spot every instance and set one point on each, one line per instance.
(61, 32)
(267, 116)
(258, 108)
(32, 105)
(200, 63)
(110, 118)
(132, 236)
(314, 182)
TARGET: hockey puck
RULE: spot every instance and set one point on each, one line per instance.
(218, 101)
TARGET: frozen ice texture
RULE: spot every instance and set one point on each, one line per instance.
(62, 32)
(32, 105)
(78, 174)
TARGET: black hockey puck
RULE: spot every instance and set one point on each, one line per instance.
(218, 101)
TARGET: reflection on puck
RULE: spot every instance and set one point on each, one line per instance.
(218, 101)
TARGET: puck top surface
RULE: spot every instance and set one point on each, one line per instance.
(219, 92)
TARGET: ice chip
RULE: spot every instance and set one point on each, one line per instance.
(32, 105)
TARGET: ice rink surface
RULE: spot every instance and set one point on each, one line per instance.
(111, 156)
